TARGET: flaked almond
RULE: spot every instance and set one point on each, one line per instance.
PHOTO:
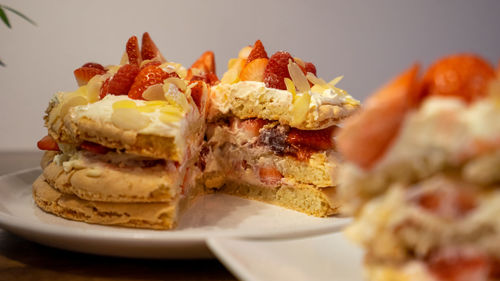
(231, 76)
(290, 87)
(94, 88)
(300, 108)
(169, 114)
(335, 81)
(300, 62)
(153, 93)
(71, 101)
(315, 80)
(181, 84)
(298, 77)
(129, 119)
(124, 104)
(175, 98)
(244, 52)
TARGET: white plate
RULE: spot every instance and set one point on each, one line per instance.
(211, 216)
(328, 257)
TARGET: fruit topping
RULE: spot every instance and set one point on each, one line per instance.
(94, 147)
(244, 52)
(94, 65)
(104, 88)
(258, 52)
(197, 92)
(150, 62)
(148, 76)
(121, 82)
(316, 139)
(459, 264)
(277, 70)
(47, 143)
(465, 76)
(149, 51)
(85, 73)
(270, 175)
(132, 50)
(252, 126)
(203, 65)
(254, 70)
(310, 67)
(234, 68)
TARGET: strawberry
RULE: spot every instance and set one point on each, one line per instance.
(317, 139)
(104, 88)
(94, 65)
(149, 50)
(257, 52)
(197, 93)
(252, 126)
(204, 64)
(85, 73)
(451, 203)
(254, 70)
(47, 143)
(133, 53)
(459, 264)
(153, 62)
(464, 76)
(270, 175)
(277, 70)
(123, 79)
(310, 67)
(209, 78)
(94, 147)
(148, 76)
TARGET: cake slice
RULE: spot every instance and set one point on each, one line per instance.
(125, 142)
(271, 131)
(422, 174)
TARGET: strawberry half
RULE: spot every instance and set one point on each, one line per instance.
(258, 52)
(148, 76)
(204, 64)
(317, 139)
(277, 70)
(270, 175)
(47, 143)
(252, 126)
(133, 53)
(149, 50)
(122, 81)
(254, 70)
(197, 93)
(94, 65)
(85, 73)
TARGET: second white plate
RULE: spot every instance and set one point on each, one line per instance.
(211, 216)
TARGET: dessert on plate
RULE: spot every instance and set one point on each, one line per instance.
(422, 174)
(121, 148)
(270, 133)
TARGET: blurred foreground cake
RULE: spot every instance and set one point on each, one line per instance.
(423, 174)
(270, 135)
(122, 147)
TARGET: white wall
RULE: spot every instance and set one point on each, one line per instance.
(367, 41)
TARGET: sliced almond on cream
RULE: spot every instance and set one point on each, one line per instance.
(129, 119)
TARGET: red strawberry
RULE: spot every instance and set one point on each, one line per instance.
(94, 65)
(310, 67)
(123, 79)
(257, 52)
(94, 147)
(153, 62)
(85, 73)
(252, 126)
(149, 50)
(254, 70)
(197, 93)
(459, 264)
(148, 76)
(104, 88)
(277, 70)
(133, 53)
(317, 139)
(47, 143)
(270, 175)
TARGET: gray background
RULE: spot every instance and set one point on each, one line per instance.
(367, 41)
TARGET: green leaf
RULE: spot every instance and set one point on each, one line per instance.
(19, 14)
(4, 17)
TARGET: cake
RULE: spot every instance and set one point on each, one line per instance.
(138, 142)
(422, 174)
(122, 148)
(270, 136)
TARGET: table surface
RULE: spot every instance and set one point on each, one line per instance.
(24, 260)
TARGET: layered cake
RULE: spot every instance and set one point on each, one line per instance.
(122, 148)
(133, 147)
(422, 176)
(270, 135)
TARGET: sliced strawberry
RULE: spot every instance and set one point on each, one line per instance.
(254, 70)
(258, 52)
(94, 147)
(303, 153)
(153, 62)
(47, 143)
(310, 67)
(270, 175)
(94, 65)
(204, 64)
(209, 78)
(149, 50)
(148, 76)
(197, 93)
(277, 70)
(133, 53)
(317, 139)
(460, 264)
(85, 73)
(123, 79)
(464, 76)
(252, 126)
(104, 88)
(449, 203)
